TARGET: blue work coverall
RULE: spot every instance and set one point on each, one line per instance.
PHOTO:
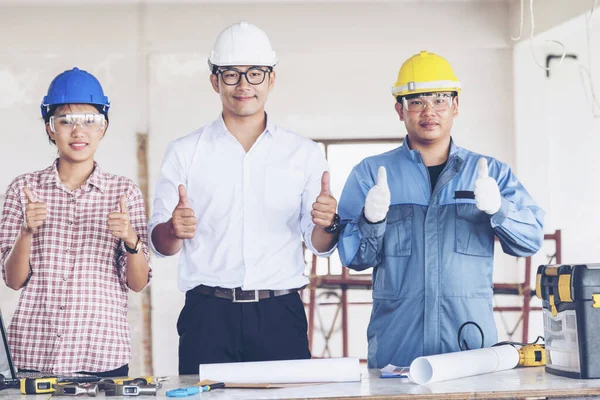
(433, 254)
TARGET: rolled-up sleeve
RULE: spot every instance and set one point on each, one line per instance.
(316, 166)
(137, 219)
(12, 219)
(519, 224)
(360, 242)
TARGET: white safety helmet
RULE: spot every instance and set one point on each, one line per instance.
(242, 44)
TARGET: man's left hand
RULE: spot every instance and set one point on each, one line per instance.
(487, 193)
(325, 207)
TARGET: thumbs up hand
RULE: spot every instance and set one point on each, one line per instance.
(378, 199)
(324, 208)
(118, 223)
(35, 213)
(487, 193)
(184, 218)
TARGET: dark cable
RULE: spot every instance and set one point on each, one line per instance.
(464, 346)
(519, 343)
(464, 343)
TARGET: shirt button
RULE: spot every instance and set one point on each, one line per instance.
(58, 335)
(70, 222)
(62, 307)
(67, 250)
(65, 277)
(73, 200)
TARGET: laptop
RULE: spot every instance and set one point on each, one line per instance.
(7, 366)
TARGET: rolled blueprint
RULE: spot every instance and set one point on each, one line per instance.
(286, 371)
(443, 367)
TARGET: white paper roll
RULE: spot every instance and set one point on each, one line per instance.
(443, 367)
(286, 371)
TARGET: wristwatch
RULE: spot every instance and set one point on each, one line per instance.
(335, 225)
(136, 248)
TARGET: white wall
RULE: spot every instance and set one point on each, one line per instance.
(557, 137)
(337, 65)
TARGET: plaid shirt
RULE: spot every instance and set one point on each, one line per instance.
(72, 313)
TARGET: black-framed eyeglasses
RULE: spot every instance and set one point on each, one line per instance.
(254, 75)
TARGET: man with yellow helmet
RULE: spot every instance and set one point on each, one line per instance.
(424, 216)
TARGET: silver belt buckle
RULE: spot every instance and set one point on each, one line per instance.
(255, 300)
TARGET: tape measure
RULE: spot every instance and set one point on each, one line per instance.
(143, 380)
(115, 389)
(38, 385)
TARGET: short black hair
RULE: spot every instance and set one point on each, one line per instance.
(52, 109)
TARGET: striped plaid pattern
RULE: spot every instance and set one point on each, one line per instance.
(72, 313)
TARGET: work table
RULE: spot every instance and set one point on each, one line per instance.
(515, 383)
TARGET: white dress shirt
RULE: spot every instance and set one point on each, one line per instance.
(252, 208)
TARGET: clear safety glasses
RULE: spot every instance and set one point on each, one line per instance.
(254, 75)
(437, 101)
(88, 123)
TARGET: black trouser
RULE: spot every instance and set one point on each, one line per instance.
(121, 371)
(217, 330)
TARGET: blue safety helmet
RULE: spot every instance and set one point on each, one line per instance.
(74, 87)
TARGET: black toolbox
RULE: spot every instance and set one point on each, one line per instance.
(571, 313)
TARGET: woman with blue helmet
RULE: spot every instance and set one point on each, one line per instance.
(73, 238)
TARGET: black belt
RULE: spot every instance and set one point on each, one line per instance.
(238, 295)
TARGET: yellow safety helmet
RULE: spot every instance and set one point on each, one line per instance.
(423, 73)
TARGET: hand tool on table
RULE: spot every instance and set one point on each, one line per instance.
(76, 389)
(192, 390)
(137, 389)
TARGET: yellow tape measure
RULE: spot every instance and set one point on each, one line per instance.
(38, 385)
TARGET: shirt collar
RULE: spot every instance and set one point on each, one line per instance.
(219, 128)
(98, 178)
(50, 174)
(271, 127)
(413, 153)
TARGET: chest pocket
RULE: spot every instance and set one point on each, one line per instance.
(398, 231)
(474, 234)
(284, 189)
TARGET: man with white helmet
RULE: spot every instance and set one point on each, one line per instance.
(237, 196)
(424, 216)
